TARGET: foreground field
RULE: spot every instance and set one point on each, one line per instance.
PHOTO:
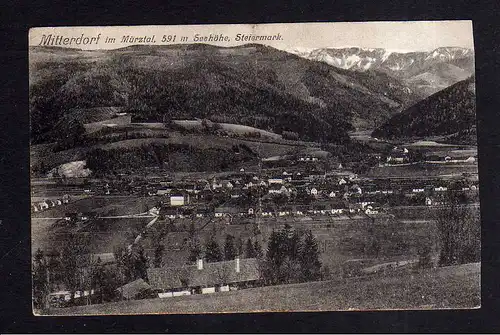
(448, 287)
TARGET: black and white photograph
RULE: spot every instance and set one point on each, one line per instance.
(193, 169)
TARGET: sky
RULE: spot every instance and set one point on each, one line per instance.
(395, 36)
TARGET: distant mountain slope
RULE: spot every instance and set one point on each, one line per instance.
(450, 112)
(426, 72)
(252, 85)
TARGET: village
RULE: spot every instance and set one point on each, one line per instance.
(303, 194)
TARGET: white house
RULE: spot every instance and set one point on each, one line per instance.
(314, 191)
(177, 200)
(440, 189)
(275, 180)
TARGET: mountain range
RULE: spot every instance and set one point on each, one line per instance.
(253, 85)
(424, 71)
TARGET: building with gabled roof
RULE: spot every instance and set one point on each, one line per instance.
(205, 277)
(134, 289)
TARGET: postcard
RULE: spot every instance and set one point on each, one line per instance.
(254, 167)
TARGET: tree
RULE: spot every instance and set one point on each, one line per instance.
(194, 250)
(459, 230)
(276, 256)
(158, 255)
(309, 258)
(250, 250)
(258, 250)
(138, 263)
(40, 280)
(292, 256)
(75, 262)
(122, 258)
(230, 251)
(212, 251)
(239, 245)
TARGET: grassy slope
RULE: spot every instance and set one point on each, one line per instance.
(449, 287)
(43, 153)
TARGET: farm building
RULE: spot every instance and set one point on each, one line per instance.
(205, 277)
(135, 289)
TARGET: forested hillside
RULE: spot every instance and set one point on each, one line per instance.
(252, 85)
(450, 112)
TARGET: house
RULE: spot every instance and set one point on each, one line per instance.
(337, 208)
(66, 199)
(300, 210)
(62, 298)
(440, 189)
(163, 191)
(275, 180)
(154, 211)
(169, 212)
(84, 216)
(43, 205)
(135, 289)
(321, 209)
(70, 217)
(205, 278)
(267, 211)
(285, 211)
(277, 189)
(201, 212)
(371, 210)
(332, 194)
(313, 191)
(417, 190)
(224, 211)
(356, 189)
(342, 181)
(177, 200)
(251, 211)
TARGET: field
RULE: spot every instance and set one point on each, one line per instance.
(51, 231)
(448, 287)
(339, 240)
(229, 127)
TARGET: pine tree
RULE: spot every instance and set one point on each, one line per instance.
(230, 252)
(194, 250)
(309, 258)
(212, 251)
(158, 255)
(250, 250)
(258, 250)
(139, 263)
